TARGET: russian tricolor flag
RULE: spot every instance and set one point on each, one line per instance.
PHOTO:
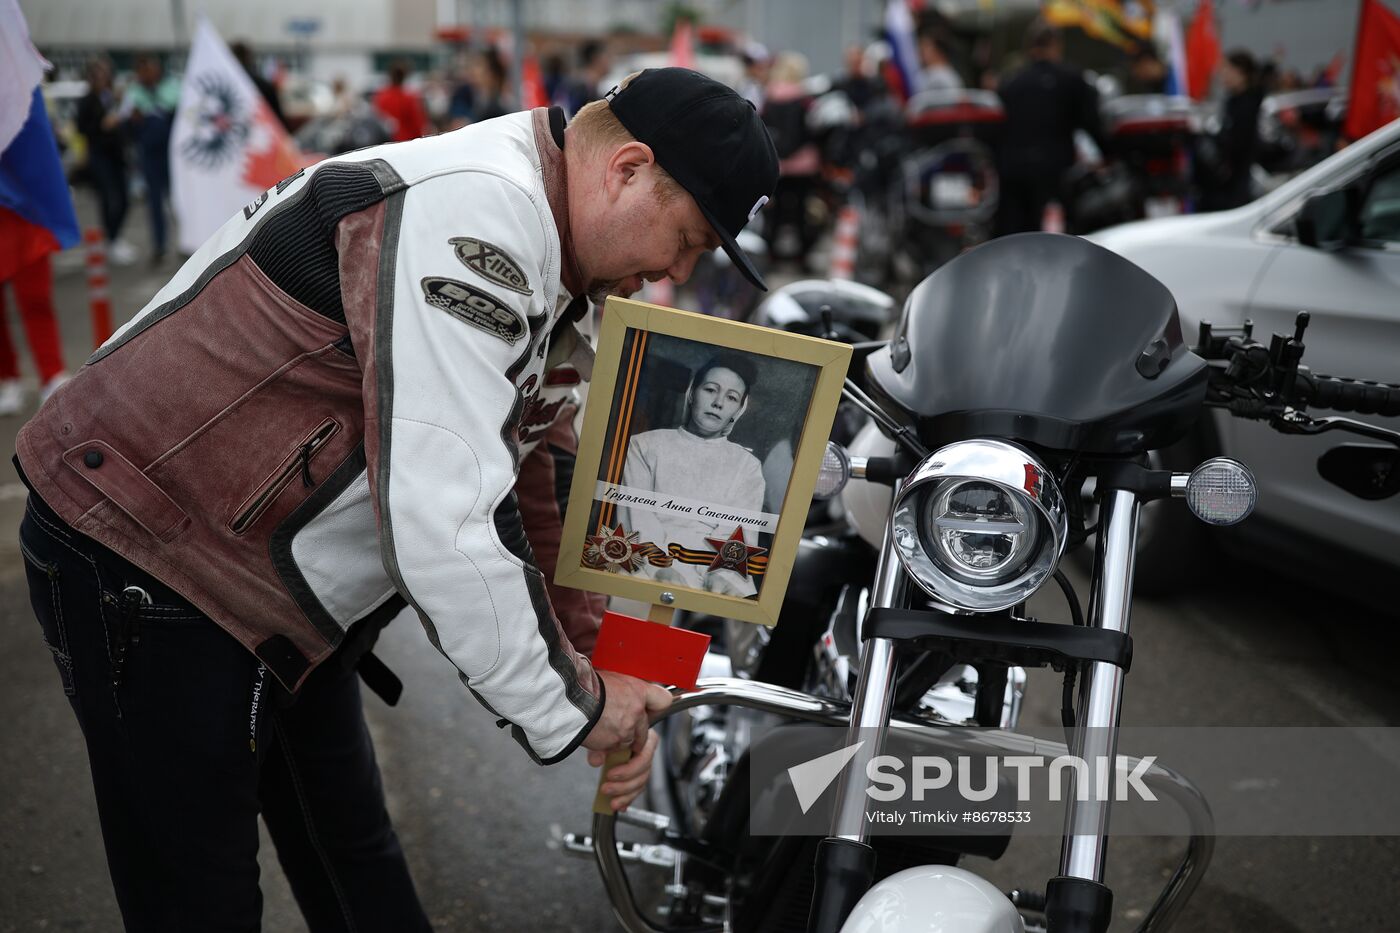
(32, 184)
(902, 73)
(1166, 29)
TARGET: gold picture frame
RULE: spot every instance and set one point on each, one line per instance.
(798, 378)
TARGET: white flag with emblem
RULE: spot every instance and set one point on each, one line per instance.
(227, 147)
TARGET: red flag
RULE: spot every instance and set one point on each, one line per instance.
(1202, 50)
(532, 85)
(1375, 73)
(682, 45)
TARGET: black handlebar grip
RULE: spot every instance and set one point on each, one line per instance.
(884, 470)
(890, 470)
(1353, 395)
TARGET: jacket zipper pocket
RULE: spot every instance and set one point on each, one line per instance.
(298, 464)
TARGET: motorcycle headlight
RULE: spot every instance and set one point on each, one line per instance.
(980, 525)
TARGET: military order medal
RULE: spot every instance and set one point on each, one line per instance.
(733, 553)
(614, 551)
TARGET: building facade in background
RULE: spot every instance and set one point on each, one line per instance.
(355, 39)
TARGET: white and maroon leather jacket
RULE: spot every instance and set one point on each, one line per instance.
(326, 409)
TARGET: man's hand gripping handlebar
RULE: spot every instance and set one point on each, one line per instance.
(628, 707)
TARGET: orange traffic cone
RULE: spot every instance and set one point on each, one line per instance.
(843, 246)
(98, 301)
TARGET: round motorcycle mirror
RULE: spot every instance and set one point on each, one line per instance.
(834, 473)
(1221, 491)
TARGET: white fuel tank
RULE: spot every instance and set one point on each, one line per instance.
(934, 899)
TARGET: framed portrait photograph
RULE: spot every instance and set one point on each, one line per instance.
(699, 451)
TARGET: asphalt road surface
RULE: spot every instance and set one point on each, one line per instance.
(482, 825)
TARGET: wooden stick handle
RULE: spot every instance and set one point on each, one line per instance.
(663, 615)
(601, 802)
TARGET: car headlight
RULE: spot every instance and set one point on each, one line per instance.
(980, 525)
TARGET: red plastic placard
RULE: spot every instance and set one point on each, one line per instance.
(649, 650)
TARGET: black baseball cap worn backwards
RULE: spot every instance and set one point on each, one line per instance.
(710, 140)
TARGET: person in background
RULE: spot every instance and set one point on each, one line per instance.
(400, 106)
(1226, 182)
(435, 91)
(757, 63)
(461, 106)
(99, 121)
(266, 88)
(149, 109)
(554, 74)
(859, 87)
(784, 111)
(24, 266)
(1147, 74)
(1045, 103)
(1266, 76)
(936, 73)
(346, 103)
(594, 63)
(488, 80)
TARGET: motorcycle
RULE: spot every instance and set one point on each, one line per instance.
(925, 183)
(989, 433)
(1146, 171)
(1298, 129)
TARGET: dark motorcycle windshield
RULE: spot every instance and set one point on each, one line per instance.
(1044, 338)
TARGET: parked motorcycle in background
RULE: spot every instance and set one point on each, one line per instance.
(925, 185)
(1146, 167)
(962, 495)
(1297, 130)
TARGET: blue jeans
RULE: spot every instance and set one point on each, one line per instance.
(153, 153)
(109, 181)
(188, 741)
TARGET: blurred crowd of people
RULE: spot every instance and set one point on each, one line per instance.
(125, 122)
(126, 126)
(1050, 125)
(1048, 104)
(478, 87)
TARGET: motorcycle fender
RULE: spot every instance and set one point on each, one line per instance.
(934, 899)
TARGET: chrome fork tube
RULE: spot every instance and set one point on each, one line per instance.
(870, 716)
(1101, 693)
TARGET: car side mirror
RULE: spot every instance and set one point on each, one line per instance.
(1328, 220)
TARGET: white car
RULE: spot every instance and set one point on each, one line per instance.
(1258, 262)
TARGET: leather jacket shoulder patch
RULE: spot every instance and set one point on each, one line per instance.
(491, 263)
(474, 306)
